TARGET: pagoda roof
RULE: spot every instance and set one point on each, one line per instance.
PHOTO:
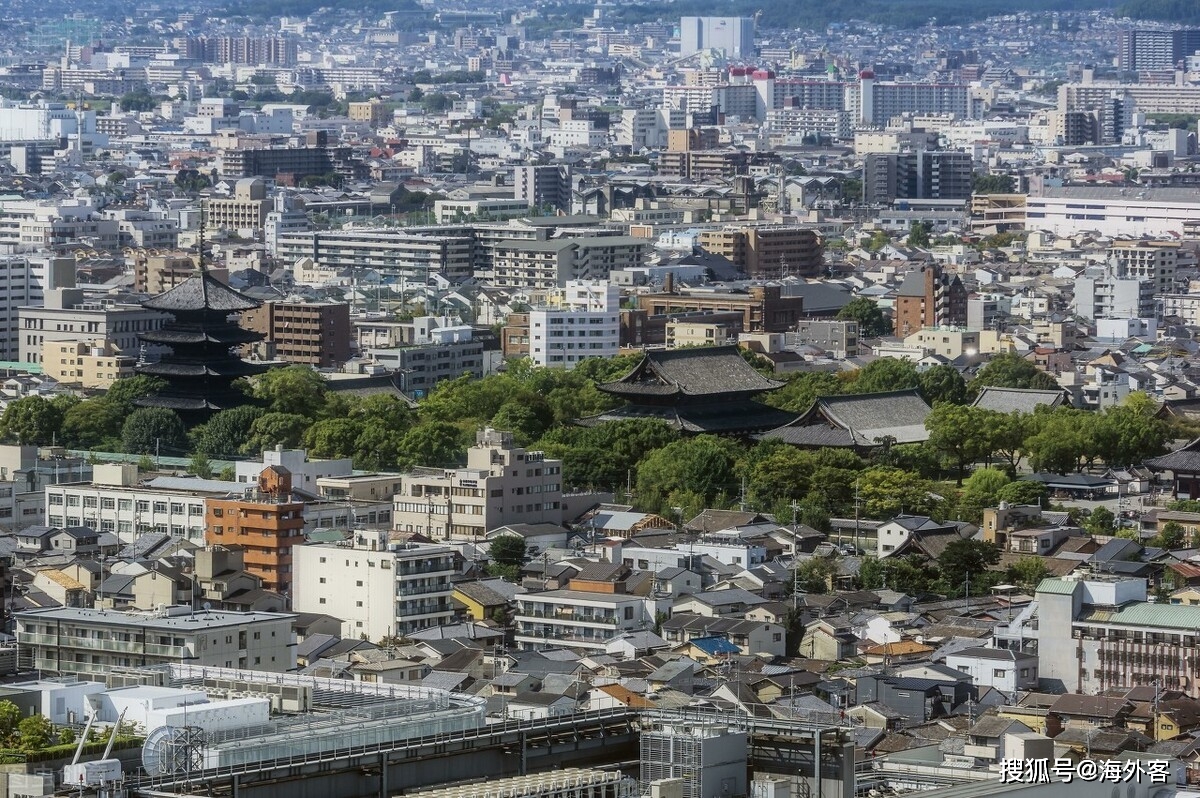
(707, 372)
(728, 416)
(858, 420)
(231, 334)
(201, 292)
(178, 403)
(225, 367)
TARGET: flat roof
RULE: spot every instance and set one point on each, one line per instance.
(202, 619)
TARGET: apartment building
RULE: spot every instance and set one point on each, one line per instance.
(837, 337)
(27, 225)
(115, 501)
(684, 333)
(585, 323)
(376, 587)
(543, 186)
(762, 308)
(501, 484)
(266, 522)
(1105, 292)
(244, 211)
(156, 274)
(928, 297)
(69, 641)
(767, 251)
(68, 317)
(922, 174)
(309, 333)
(1102, 632)
(87, 364)
(555, 262)
(593, 610)
(1145, 259)
(26, 280)
(390, 251)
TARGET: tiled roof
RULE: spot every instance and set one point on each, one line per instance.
(859, 420)
(1025, 400)
(703, 371)
(201, 292)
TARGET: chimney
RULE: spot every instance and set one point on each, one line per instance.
(669, 283)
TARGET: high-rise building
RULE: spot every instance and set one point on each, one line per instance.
(732, 35)
(546, 185)
(311, 333)
(767, 251)
(1140, 49)
(586, 324)
(919, 174)
(930, 298)
(267, 522)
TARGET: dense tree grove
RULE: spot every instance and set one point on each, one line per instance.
(969, 462)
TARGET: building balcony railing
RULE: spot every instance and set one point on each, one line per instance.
(569, 617)
(420, 590)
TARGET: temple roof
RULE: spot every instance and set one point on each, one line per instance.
(1186, 459)
(230, 335)
(201, 292)
(1025, 400)
(701, 372)
(223, 367)
(729, 416)
(861, 420)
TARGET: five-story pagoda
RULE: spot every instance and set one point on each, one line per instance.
(202, 364)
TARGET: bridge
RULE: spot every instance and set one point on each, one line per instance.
(604, 738)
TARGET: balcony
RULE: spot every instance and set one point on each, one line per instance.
(421, 590)
(570, 617)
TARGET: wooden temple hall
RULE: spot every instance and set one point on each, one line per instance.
(701, 390)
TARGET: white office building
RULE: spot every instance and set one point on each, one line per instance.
(734, 36)
(375, 587)
(586, 324)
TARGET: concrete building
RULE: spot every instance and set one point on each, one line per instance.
(585, 323)
(922, 174)
(1106, 292)
(67, 316)
(377, 588)
(553, 263)
(309, 333)
(266, 522)
(997, 668)
(81, 641)
(390, 251)
(838, 337)
(244, 212)
(586, 619)
(1114, 212)
(1154, 261)
(767, 251)
(546, 186)
(372, 111)
(26, 279)
(88, 364)
(929, 298)
(27, 225)
(695, 332)
(501, 484)
(733, 36)
(1101, 632)
(1141, 48)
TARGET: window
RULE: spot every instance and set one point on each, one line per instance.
(322, 580)
(998, 673)
(629, 613)
(321, 600)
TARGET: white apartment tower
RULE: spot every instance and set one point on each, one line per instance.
(587, 324)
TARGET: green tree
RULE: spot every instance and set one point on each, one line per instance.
(1130, 433)
(200, 466)
(94, 424)
(66, 736)
(1060, 439)
(703, 466)
(275, 429)
(815, 575)
(604, 456)
(226, 432)
(1101, 521)
(870, 318)
(980, 491)
(963, 558)
(153, 430)
(387, 411)
(982, 183)
(293, 389)
(526, 417)
(887, 492)
(434, 443)
(943, 383)
(31, 421)
(885, 374)
(34, 732)
(1024, 491)
(333, 437)
(918, 234)
(1172, 536)
(803, 388)
(377, 448)
(1010, 370)
(10, 716)
(125, 393)
(508, 550)
(956, 432)
(1027, 572)
(1006, 436)
(908, 575)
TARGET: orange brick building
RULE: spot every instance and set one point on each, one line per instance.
(266, 523)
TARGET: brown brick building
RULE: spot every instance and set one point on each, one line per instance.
(313, 334)
(768, 252)
(930, 298)
(266, 523)
(760, 309)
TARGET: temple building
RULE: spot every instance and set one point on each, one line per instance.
(858, 421)
(1184, 465)
(701, 390)
(201, 367)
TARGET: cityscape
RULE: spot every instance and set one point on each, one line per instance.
(599, 400)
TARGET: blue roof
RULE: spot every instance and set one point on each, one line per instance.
(715, 645)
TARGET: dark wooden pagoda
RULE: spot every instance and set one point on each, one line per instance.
(202, 334)
(697, 390)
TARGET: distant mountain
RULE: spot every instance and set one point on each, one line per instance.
(1183, 12)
